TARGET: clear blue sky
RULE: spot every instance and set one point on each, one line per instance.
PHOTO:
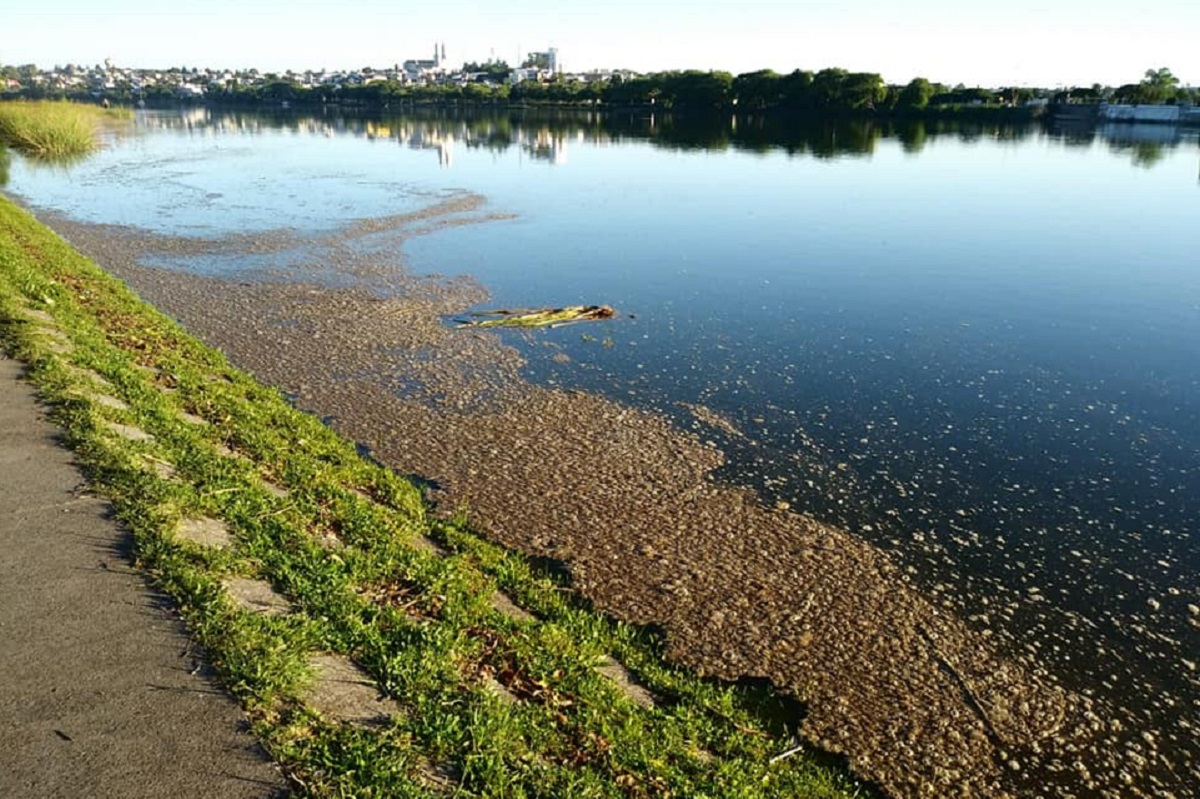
(988, 43)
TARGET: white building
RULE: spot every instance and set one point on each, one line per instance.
(524, 74)
(419, 69)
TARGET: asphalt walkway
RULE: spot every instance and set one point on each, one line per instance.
(101, 692)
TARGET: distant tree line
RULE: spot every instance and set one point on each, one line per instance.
(1158, 87)
(828, 91)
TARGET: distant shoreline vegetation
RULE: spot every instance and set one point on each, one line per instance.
(831, 91)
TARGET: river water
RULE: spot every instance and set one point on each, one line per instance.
(975, 346)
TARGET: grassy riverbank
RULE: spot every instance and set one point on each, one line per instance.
(53, 129)
(499, 681)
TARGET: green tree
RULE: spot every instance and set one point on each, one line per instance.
(916, 95)
(862, 90)
(798, 91)
(1159, 85)
(1161, 78)
(827, 86)
(536, 60)
(635, 91)
(493, 71)
(1130, 93)
(279, 90)
(477, 92)
(695, 89)
(758, 90)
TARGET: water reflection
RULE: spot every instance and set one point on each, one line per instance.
(60, 163)
(547, 135)
(1145, 144)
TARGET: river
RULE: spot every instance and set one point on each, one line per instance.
(974, 347)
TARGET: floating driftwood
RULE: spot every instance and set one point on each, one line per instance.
(539, 317)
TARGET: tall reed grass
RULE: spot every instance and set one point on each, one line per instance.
(50, 129)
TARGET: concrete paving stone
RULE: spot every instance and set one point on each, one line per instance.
(620, 676)
(128, 431)
(206, 532)
(345, 692)
(504, 603)
(257, 596)
(275, 490)
(226, 452)
(160, 468)
(38, 315)
(87, 375)
(108, 401)
(52, 332)
(423, 543)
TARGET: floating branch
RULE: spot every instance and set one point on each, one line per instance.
(539, 317)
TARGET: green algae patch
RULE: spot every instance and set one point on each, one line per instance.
(481, 700)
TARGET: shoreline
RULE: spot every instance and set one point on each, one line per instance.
(373, 648)
(755, 588)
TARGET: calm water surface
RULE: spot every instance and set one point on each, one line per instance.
(979, 347)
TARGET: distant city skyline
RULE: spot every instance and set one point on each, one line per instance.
(987, 44)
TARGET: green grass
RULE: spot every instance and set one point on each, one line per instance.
(53, 130)
(573, 735)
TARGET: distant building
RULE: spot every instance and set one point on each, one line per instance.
(524, 74)
(420, 69)
(1139, 113)
(547, 61)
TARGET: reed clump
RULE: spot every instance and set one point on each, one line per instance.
(50, 129)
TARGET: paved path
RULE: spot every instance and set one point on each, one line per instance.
(97, 692)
